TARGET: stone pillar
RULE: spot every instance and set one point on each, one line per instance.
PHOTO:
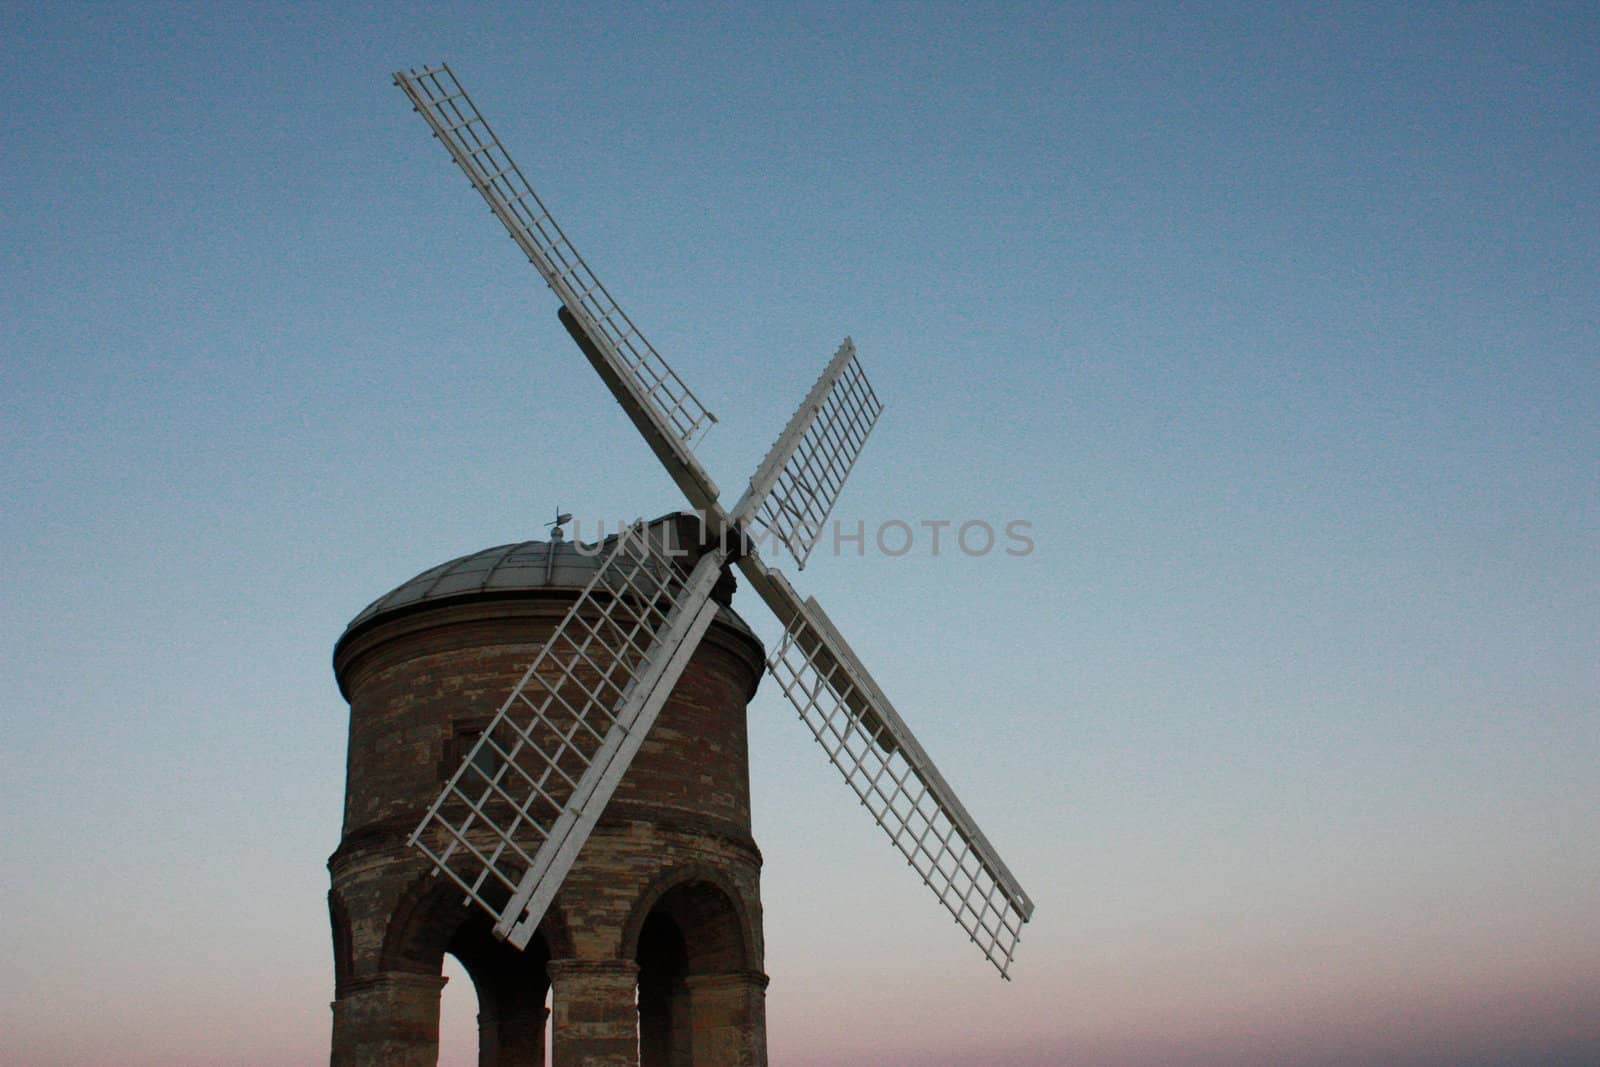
(729, 1019)
(511, 1035)
(389, 1019)
(595, 1022)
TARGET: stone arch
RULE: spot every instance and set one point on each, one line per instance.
(421, 924)
(710, 912)
(429, 915)
(700, 985)
(429, 920)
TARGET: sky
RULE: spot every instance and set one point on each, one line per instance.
(1278, 327)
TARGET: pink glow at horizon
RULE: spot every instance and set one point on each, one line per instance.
(1443, 1020)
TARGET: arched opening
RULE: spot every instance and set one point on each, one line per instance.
(512, 992)
(664, 1039)
(458, 1017)
(493, 1010)
(474, 1034)
(690, 944)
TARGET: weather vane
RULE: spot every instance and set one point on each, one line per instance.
(556, 532)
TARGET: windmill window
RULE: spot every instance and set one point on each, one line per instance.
(486, 761)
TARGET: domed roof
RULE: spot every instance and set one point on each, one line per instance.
(505, 570)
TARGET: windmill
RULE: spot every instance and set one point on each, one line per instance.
(511, 820)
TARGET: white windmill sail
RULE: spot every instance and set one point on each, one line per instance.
(677, 459)
(653, 386)
(795, 487)
(837, 698)
(512, 819)
(896, 780)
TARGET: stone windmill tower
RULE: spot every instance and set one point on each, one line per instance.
(663, 904)
(599, 820)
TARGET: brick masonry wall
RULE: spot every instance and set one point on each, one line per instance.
(420, 682)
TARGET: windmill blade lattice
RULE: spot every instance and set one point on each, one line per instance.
(794, 489)
(511, 820)
(513, 816)
(440, 99)
(896, 781)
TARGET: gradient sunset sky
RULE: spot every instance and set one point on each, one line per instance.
(1279, 325)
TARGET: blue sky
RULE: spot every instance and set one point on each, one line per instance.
(1279, 326)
